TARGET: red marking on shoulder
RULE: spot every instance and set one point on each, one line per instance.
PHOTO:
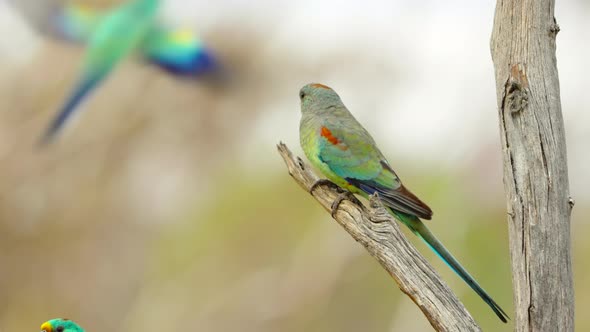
(327, 134)
(321, 86)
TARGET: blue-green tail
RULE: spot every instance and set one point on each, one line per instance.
(418, 227)
(80, 92)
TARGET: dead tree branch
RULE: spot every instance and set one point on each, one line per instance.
(381, 236)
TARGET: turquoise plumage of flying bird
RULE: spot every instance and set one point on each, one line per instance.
(110, 37)
(60, 325)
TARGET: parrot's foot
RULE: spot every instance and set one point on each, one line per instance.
(343, 194)
(326, 182)
(346, 195)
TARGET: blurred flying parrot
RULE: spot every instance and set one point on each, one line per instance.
(112, 36)
(338, 145)
(60, 325)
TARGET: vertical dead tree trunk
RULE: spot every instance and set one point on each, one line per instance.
(535, 164)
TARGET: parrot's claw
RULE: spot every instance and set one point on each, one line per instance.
(326, 182)
(346, 195)
(343, 194)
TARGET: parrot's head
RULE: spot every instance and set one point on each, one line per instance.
(316, 97)
(60, 325)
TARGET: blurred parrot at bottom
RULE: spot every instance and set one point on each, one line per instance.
(60, 325)
(112, 36)
(338, 145)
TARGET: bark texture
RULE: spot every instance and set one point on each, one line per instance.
(381, 236)
(535, 164)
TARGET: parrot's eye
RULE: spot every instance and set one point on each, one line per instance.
(59, 329)
(301, 94)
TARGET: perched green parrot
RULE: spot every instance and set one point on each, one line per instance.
(338, 145)
(60, 325)
(113, 36)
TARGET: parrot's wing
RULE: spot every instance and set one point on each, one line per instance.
(72, 22)
(76, 23)
(179, 51)
(354, 157)
(399, 199)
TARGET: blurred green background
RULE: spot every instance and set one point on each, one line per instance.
(165, 206)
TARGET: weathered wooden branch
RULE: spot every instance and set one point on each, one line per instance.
(377, 231)
(535, 164)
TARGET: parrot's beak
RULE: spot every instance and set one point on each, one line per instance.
(46, 327)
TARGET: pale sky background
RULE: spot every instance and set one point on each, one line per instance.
(442, 51)
(443, 110)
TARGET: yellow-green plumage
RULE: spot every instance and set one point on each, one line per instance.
(338, 145)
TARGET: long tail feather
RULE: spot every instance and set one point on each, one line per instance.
(418, 227)
(81, 91)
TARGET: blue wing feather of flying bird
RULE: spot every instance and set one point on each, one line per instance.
(178, 51)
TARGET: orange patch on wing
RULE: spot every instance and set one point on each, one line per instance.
(327, 134)
(321, 86)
